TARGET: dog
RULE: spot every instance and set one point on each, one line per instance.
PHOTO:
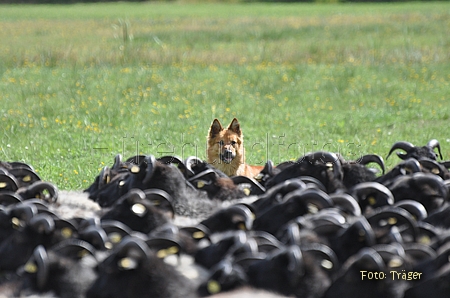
(225, 150)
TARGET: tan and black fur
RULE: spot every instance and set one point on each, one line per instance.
(226, 151)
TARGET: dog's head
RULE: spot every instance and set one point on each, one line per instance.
(225, 143)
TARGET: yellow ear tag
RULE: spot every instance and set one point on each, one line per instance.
(109, 245)
(327, 264)
(247, 191)
(435, 171)
(127, 263)
(213, 287)
(392, 221)
(82, 253)
(30, 267)
(372, 200)
(115, 238)
(312, 209)
(259, 177)
(173, 250)
(162, 253)
(139, 209)
(66, 232)
(198, 235)
(135, 169)
(3, 184)
(27, 178)
(362, 236)
(395, 262)
(200, 184)
(241, 226)
(424, 240)
(107, 179)
(17, 223)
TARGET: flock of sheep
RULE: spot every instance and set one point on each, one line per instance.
(164, 227)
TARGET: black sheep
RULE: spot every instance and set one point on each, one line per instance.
(324, 166)
(357, 278)
(434, 167)
(227, 245)
(66, 270)
(349, 240)
(217, 187)
(17, 248)
(275, 195)
(357, 172)
(289, 271)
(371, 195)
(418, 153)
(437, 287)
(440, 217)
(136, 212)
(133, 270)
(428, 189)
(150, 173)
(295, 204)
(154, 174)
(406, 167)
(15, 217)
(225, 276)
(107, 174)
(109, 192)
(235, 217)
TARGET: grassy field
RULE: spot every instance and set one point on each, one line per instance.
(81, 83)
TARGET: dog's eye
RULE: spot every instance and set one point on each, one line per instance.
(233, 143)
(221, 143)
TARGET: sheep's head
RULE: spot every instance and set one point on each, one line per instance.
(415, 152)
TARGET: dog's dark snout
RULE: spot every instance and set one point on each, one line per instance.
(228, 153)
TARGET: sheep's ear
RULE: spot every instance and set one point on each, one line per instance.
(38, 265)
(215, 128)
(42, 223)
(235, 126)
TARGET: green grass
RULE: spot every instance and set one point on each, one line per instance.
(81, 83)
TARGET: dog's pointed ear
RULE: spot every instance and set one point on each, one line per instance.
(235, 126)
(215, 128)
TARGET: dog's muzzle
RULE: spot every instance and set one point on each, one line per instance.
(227, 156)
